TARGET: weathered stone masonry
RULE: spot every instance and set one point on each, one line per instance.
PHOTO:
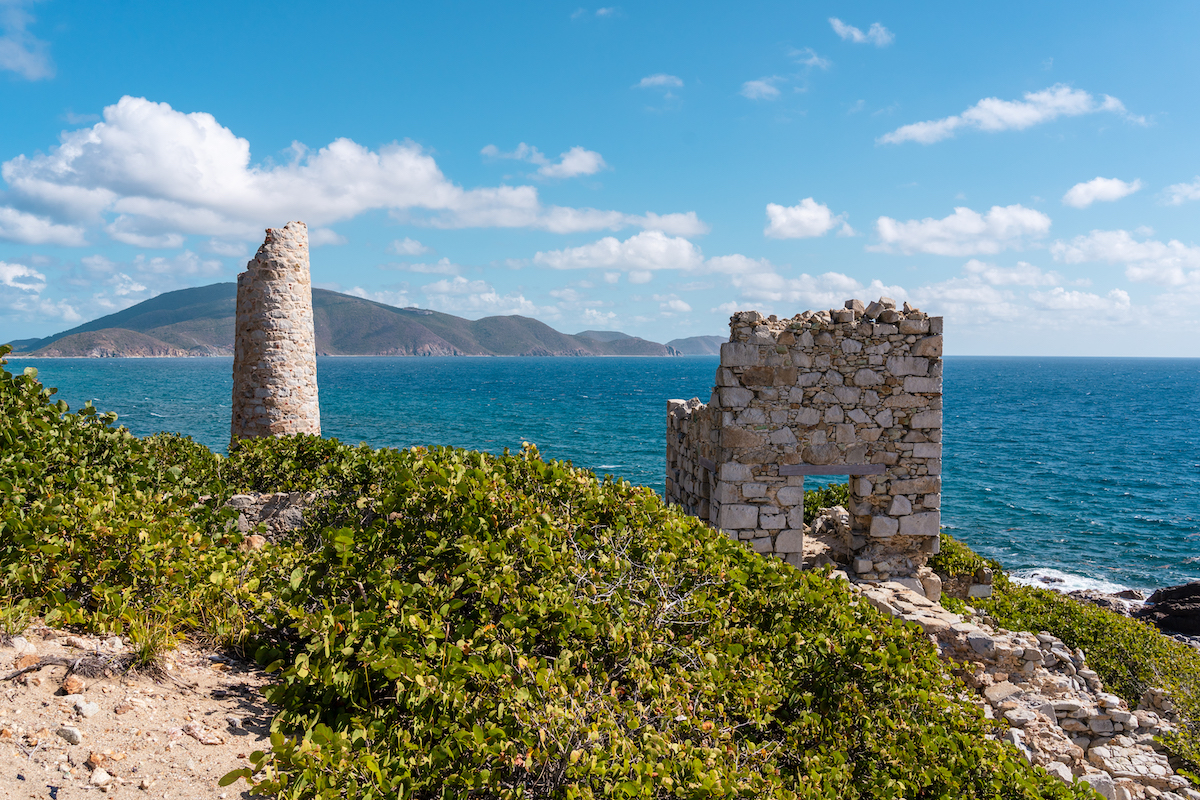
(275, 356)
(854, 391)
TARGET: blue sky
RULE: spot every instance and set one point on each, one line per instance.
(1030, 171)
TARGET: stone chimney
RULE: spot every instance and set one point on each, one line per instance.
(275, 356)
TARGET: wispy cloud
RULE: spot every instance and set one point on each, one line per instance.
(761, 89)
(659, 80)
(20, 51)
(992, 114)
(1179, 193)
(876, 34)
(573, 163)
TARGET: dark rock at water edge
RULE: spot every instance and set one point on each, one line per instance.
(1175, 609)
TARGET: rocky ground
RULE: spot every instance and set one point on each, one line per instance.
(65, 736)
(1059, 715)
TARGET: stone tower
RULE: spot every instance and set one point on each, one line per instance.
(275, 356)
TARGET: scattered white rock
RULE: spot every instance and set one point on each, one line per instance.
(70, 735)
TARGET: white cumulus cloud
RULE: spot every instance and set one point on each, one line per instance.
(19, 276)
(963, 233)
(993, 114)
(1105, 190)
(1023, 274)
(876, 34)
(150, 175)
(18, 226)
(807, 219)
(1170, 263)
(1180, 193)
(479, 298)
(649, 250)
(1061, 299)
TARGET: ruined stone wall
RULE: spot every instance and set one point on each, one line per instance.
(854, 391)
(275, 356)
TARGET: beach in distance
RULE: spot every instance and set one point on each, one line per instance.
(1074, 472)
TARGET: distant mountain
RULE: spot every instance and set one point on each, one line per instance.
(200, 322)
(603, 336)
(698, 345)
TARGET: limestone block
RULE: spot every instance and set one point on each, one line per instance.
(833, 414)
(923, 524)
(821, 454)
(845, 434)
(783, 436)
(933, 466)
(795, 517)
(980, 590)
(884, 527)
(734, 516)
(847, 395)
(737, 354)
(808, 417)
(884, 418)
(926, 385)
(900, 506)
(790, 541)
(762, 545)
(728, 492)
(850, 346)
(912, 584)
(772, 522)
(858, 415)
(909, 326)
(735, 473)
(862, 486)
(907, 365)
(754, 490)
(790, 496)
(752, 416)
(929, 450)
(932, 501)
(758, 376)
(801, 360)
(867, 377)
(734, 437)
(726, 377)
(862, 565)
(735, 397)
(926, 419)
(932, 584)
(929, 346)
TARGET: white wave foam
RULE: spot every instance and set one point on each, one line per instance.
(1059, 581)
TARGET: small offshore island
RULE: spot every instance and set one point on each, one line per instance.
(439, 622)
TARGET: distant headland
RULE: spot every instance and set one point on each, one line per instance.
(200, 322)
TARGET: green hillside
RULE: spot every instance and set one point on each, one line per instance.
(200, 322)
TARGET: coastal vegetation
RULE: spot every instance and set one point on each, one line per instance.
(454, 623)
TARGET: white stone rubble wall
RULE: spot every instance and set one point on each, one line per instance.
(858, 387)
(1059, 717)
(275, 354)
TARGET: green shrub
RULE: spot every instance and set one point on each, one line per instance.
(835, 494)
(487, 626)
(955, 558)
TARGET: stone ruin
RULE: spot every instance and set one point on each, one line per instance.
(275, 354)
(855, 391)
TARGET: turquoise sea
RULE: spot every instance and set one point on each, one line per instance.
(1084, 472)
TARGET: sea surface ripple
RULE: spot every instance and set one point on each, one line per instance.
(1078, 471)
